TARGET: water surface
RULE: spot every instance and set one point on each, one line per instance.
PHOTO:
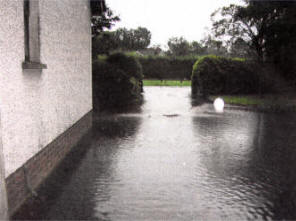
(172, 161)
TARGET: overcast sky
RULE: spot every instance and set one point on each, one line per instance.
(167, 18)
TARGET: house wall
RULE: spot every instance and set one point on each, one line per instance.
(3, 196)
(38, 105)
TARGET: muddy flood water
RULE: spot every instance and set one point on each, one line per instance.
(172, 161)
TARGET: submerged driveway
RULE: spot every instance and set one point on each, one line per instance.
(172, 161)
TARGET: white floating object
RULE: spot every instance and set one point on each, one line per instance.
(219, 105)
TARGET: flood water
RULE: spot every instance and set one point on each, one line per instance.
(172, 161)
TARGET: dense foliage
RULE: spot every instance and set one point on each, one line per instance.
(178, 46)
(267, 28)
(158, 67)
(102, 17)
(121, 40)
(103, 44)
(132, 39)
(128, 64)
(182, 47)
(138, 40)
(117, 82)
(220, 75)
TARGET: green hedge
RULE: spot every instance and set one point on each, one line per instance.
(117, 82)
(158, 67)
(128, 64)
(219, 75)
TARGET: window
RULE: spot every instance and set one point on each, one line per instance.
(32, 35)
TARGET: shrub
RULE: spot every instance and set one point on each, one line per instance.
(115, 84)
(173, 68)
(219, 75)
(128, 64)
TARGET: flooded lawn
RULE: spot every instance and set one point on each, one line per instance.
(172, 161)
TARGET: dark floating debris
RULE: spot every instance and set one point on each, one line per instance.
(171, 115)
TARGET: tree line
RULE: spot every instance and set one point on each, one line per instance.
(139, 39)
(264, 31)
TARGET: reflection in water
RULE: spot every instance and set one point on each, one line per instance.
(71, 191)
(196, 165)
(250, 159)
(225, 145)
(274, 157)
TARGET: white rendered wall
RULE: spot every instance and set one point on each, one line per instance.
(38, 105)
(3, 195)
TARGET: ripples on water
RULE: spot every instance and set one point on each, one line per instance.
(172, 161)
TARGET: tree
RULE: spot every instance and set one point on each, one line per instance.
(178, 46)
(260, 24)
(156, 49)
(104, 43)
(142, 37)
(212, 46)
(102, 17)
(267, 27)
(240, 48)
(239, 22)
(181, 47)
(196, 48)
(132, 39)
(122, 40)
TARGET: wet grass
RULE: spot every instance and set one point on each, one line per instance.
(172, 83)
(269, 103)
(244, 100)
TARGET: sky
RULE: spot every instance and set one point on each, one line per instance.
(167, 18)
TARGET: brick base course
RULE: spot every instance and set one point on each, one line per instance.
(23, 182)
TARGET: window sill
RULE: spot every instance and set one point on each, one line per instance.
(33, 65)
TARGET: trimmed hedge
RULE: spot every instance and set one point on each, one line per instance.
(127, 64)
(117, 82)
(219, 75)
(173, 68)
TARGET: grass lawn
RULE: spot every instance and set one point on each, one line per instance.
(274, 103)
(243, 100)
(166, 83)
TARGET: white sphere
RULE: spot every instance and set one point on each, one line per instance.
(219, 104)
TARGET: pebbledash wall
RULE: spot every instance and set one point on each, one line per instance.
(45, 104)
